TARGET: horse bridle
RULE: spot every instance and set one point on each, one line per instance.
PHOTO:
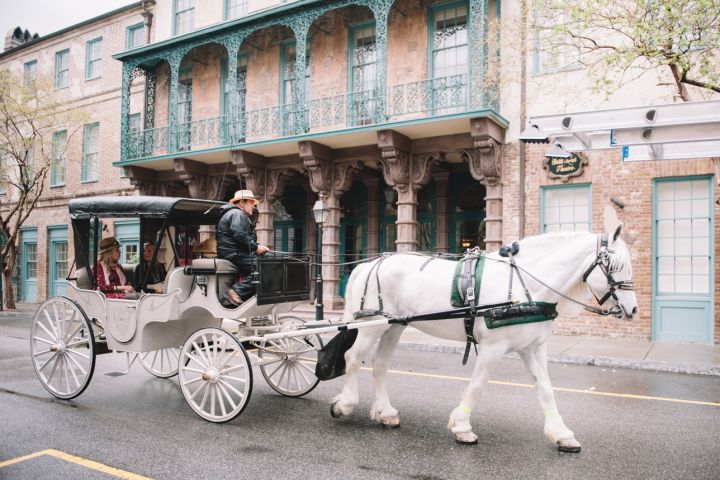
(602, 261)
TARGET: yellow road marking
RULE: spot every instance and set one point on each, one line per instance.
(559, 389)
(83, 462)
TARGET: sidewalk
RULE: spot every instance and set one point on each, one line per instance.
(606, 352)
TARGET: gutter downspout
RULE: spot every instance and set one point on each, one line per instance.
(523, 114)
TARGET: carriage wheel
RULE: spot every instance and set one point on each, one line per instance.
(215, 375)
(161, 363)
(289, 363)
(62, 347)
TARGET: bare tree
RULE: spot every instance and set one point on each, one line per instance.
(32, 118)
(621, 40)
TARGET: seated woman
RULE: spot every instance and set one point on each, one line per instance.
(154, 272)
(109, 274)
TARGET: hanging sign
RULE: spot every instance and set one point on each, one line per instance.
(565, 167)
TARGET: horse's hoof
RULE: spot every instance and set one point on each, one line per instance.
(569, 445)
(336, 413)
(466, 438)
(390, 422)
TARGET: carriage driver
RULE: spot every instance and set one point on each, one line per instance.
(237, 242)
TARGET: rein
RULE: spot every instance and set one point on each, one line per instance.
(602, 260)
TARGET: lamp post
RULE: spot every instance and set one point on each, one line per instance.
(321, 213)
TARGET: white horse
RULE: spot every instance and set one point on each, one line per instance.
(551, 264)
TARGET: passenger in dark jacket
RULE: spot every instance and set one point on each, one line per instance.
(237, 242)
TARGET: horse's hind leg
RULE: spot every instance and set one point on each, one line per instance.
(459, 423)
(382, 411)
(555, 429)
(344, 403)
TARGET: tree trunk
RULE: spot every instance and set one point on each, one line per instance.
(7, 274)
(677, 76)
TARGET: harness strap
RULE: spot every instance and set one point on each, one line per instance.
(469, 321)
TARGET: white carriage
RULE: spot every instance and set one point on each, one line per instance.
(185, 330)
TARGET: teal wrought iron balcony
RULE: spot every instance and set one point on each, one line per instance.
(416, 100)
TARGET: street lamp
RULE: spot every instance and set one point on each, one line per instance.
(321, 213)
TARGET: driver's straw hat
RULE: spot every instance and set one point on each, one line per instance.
(107, 244)
(241, 195)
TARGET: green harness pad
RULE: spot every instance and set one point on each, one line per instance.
(456, 299)
(520, 313)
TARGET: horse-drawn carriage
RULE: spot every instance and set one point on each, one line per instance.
(186, 329)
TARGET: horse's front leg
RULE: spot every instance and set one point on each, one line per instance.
(382, 411)
(459, 423)
(345, 402)
(555, 429)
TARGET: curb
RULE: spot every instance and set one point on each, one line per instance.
(606, 362)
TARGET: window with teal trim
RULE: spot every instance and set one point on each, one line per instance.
(185, 109)
(289, 220)
(93, 59)
(31, 263)
(135, 36)
(566, 208)
(29, 73)
(683, 229)
(289, 110)
(57, 166)
(91, 148)
(388, 217)
(449, 58)
(362, 74)
(62, 69)
(235, 9)
(184, 16)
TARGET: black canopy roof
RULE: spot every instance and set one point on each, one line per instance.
(187, 211)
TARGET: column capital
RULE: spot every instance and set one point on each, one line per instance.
(196, 176)
(317, 161)
(484, 161)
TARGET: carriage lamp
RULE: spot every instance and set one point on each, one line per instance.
(321, 213)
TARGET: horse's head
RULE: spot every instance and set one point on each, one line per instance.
(609, 277)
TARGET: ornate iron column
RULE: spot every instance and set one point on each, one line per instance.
(174, 60)
(478, 26)
(300, 26)
(127, 70)
(381, 10)
(232, 44)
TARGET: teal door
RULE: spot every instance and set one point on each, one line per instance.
(289, 221)
(127, 233)
(683, 243)
(353, 230)
(467, 213)
(57, 260)
(388, 220)
(29, 264)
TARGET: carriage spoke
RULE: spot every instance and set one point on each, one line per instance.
(42, 340)
(204, 384)
(190, 382)
(72, 371)
(199, 352)
(233, 389)
(47, 361)
(212, 400)
(53, 338)
(232, 369)
(194, 370)
(237, 379)
(67, 325)
(205, 395)
(305, 367)
(36, 354)
(227, 395)
(220, 399)
(272, 374)
(80, 367)
(78, 354)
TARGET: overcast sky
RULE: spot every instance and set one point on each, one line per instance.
(48, 16)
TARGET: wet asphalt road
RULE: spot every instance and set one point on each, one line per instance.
(141, 424)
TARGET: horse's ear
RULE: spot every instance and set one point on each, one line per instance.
(618, 230)
(610, 219)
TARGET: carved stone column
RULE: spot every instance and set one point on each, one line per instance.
(442, 214)
(373, 212)
(406, 174)
(485, 164)
(266, 184)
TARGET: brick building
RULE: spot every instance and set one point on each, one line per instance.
(78, 60)
(387, 109)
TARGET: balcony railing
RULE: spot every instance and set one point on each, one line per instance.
(427, 98)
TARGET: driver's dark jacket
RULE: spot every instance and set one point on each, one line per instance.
(236, 238)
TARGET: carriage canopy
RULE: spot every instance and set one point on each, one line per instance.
(174, 210)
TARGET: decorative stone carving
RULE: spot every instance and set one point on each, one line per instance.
(484, 161)
(343, 173)
(146, 181)
(317, 161)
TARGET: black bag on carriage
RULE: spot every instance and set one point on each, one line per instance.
(331, 358)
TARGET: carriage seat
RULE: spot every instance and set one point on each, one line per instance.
(211, 266)
(176, 279)
(84, 279)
